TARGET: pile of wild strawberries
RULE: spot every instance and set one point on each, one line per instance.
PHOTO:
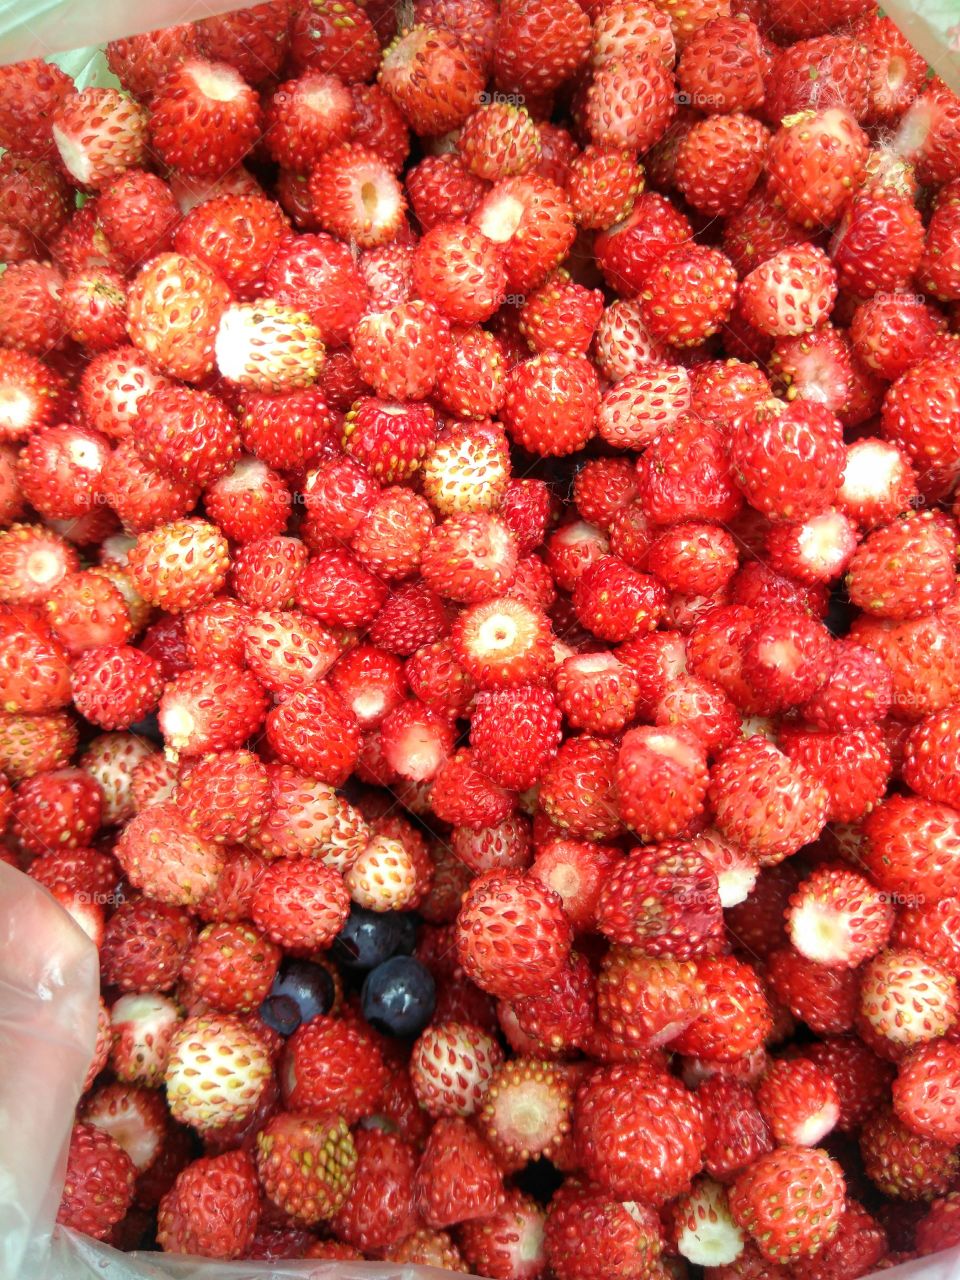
(480, 634)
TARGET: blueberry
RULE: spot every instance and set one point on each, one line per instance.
(300, 991)
(406, 934)
(282, 1013)
(398, 996)
(367, 939)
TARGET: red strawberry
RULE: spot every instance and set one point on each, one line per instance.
(99, 133)
(790, 1201)
(30, 93)
(204, 118)
(539, 45)
(451, 1067)
(457, 1178)
(306, 1166)
(532, 219)
(639, 1132)
(379, 1210)
(173, 309)
(736, 1015)
(189, 1217)
(512, 934)
(814, 192)
(630, 102)
(329, 1066)
(589, 1229)
(903, 1165)
(98, 1184)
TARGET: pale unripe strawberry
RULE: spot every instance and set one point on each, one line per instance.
(217, 1070)
(266, 346)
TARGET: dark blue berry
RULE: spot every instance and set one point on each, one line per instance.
(406, 934)
(282, 1013)
(398, 996)
(367, 938)
(300, 991)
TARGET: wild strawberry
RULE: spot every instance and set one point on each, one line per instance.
(924, 1092)
(306, 818)
(790, 1201)
(878, 244)
(878, 482)
(789, 292)
(654, 1116)
(99, 133)
(213, 708)
(216, 1071)
(597, 693)
(187, 1218)
(115, 686)
(317, 274)
(788, 485)
(505, 845)
(457, 1178)
(356, 196)
(615, 601)
(687, 295)
(400, 351)
(266, 571)
(31, 744)
(304, 117)
(225, 795)
(502, 642)
(328, 1066)
(577, 792)
(449, 255)
(902, 1164)
(718, 162)
(31, 91)
(837, 918)
(325, 38)
(31, 317)
(531, 218)
(451, 1067)
(799, 1101)
(521, 959)
(935, 384)
(32, 396)
(586, 1229)
(300, 904)
(630, 102)
(431, 78)
(86, 609)
(179, 565)
(236, 236)
(306, 1166)
(814, 162)
(390, 538)
(645, 1000)
(379, 1210)
(440, 189)
(740, 793)
(173, 309)
(59, 470)
(723, 63)
(502, 720)
(624, 29)
(98, 1183)
(412, 616)
(688, 921)
(915, 540)
(937, 1229)
(905, 999)
(313, 730)
(526, 1110)
(198, 102)
(735, 1016)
